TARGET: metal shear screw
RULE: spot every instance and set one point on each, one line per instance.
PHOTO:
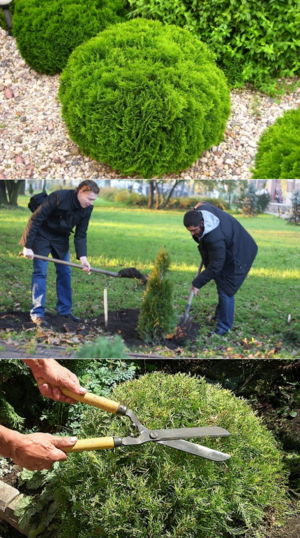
(153, 435)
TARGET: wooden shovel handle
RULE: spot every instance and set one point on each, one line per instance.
(91, 444)
(89, 398)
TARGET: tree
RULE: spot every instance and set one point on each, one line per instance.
(295, 218)
(9, 191)
(250, 203)
(156, 191)
(157, 317)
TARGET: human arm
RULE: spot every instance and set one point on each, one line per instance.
(35, 451)
(37, 218)
(55, 376)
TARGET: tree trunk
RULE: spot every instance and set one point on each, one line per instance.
(3, 196)
(166, 201)
(13, 190)
(151, 194)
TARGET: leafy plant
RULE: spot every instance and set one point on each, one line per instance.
(263, 201)
(250, 203)
(47, 31)
(295, 217)
(103, 348)
(254, 40)
(144, 98)
(156, 317)
(156, 491)
(278, 153)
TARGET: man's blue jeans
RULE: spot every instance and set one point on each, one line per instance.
(63, 288)
(224, 312)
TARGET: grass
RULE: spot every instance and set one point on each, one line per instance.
(120, 237)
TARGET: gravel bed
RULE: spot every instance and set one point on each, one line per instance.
(34, 142)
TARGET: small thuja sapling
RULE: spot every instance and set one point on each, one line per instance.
(156, 317)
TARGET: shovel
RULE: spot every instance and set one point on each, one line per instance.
(186, 321)
(130, 272)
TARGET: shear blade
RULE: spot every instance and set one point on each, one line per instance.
(197, 450)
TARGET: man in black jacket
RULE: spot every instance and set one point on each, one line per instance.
(227, 251)
(48, 231)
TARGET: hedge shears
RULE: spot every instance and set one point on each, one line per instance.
(173, 438)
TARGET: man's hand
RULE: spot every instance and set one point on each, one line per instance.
(85, 264)
(28, 253)
(55, 376)
(195, 290)
(36, 451)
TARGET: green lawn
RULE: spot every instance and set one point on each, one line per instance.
(119, 237)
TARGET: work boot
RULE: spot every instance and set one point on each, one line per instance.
(41, 322)
(72, 317)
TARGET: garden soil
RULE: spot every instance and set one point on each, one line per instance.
(122, 322)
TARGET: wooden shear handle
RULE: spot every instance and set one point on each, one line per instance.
(95, 401)
(89, 398)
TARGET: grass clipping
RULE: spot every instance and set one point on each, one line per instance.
(157, 318)
(153, 490)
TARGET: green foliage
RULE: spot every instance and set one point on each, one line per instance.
(144, 98)
(250, 202)
(295, 217)
(254, 40)
(47, 31)
(98, 377)
(156, 491)
(156, 318)
(103, 348)
(278, 154)
(263, 201)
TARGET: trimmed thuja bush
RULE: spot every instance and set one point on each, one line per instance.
(157, 317)
(144, 98)
(47, 31)
(154, 490)
(254, 40)
(278, 154)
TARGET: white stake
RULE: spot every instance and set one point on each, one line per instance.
(105, 307)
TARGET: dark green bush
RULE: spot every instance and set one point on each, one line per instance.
(47, 31)
(278, 153)
(144, 98)
(254, 40)
(153, 490)
(156, 317)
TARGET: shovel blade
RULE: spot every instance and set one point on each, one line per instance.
(185, 322)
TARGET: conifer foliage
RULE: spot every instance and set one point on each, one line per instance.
(47, 31)
(144, 98)
(250, 202)
(157, 317)
(295, 217)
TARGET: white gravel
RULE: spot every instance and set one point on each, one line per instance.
(34, 142)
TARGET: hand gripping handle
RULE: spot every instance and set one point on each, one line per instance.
(90, 399)
(101, 403)
(99, 443)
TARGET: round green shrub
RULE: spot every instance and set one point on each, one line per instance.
(278, 153)
(144, 98)
(153, 490)
(254, 40)
(47, 31)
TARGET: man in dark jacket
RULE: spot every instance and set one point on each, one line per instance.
(48, 231)
(227, 251)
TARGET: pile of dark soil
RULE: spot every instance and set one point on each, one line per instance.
(123, 322)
